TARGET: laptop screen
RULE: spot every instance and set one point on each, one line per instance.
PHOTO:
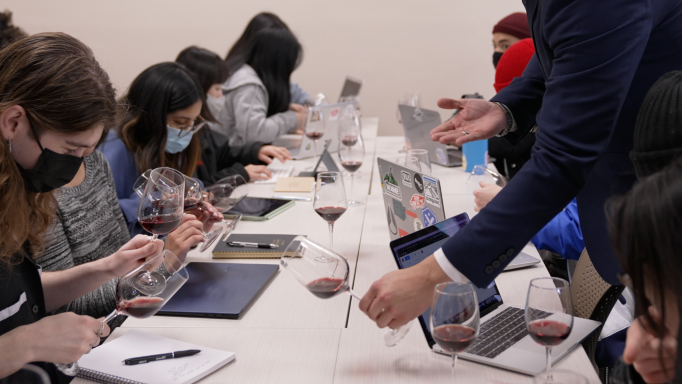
(410, 250)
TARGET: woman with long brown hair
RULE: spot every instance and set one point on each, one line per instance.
(55, 101)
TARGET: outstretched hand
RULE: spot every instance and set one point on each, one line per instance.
(480, 119)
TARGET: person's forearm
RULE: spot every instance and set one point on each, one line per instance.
(13, 351)
(62, 287)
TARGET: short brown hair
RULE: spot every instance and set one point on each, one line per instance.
(61, 86)
(8, 32)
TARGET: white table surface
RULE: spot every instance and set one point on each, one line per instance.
(290, 336)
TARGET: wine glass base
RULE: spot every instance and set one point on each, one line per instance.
(393, 336)
(323, 259)
(70, 369)
(355, 203)
(560, 376)
(211, 238)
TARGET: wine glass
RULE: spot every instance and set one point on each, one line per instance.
(315, 127)
(455, 318)
(422, 155)
(351, 153)
(329, 200)
(325, 279)
(142, 292)
(481, 173)
(549, 316)
(194, 202)
(161, 206)
(412, 99)
(225, 194)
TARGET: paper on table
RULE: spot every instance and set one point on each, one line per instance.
(294, 184)
(108, 359)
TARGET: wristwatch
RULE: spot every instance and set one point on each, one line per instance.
(511, 124)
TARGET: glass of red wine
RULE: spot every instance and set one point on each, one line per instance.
(351, 149)
(194, 202)
(224, 195)
(325, 279)
(549, 317)
(162, 204)
(315, 127)
(329, 200)
(455, 318)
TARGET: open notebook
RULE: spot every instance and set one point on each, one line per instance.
(105, 363)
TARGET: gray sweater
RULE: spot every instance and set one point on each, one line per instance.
(244, 119)
(89, 226)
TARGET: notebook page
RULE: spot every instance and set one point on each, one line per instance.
(109, 357)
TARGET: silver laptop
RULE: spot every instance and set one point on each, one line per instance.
(321, 114)
(503, 339)
(351, 89)
(417, 126)
(413, 200)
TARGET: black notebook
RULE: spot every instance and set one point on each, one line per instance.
(224, 251)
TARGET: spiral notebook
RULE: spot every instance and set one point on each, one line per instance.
(104, 364)
(224, 251)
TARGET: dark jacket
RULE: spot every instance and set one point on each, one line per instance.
(594, 63)
(218, 162)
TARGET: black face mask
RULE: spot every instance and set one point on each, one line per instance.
(52, 171)
(496, 58)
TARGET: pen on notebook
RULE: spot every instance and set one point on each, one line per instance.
(292, 198)
(163, 356)
(251, 245)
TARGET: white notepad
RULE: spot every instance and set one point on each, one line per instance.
(105, 363)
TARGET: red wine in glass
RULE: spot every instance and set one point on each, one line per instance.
(327, 287)
(351, 166)
(330, 214)
(314, 135)
(349, 141)
(548, 332)
(141, 307)
(454, 337)
(161, 224)
(192, 203)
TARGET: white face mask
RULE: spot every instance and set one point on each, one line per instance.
(215, 104)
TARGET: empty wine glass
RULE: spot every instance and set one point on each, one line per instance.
(411, 99)
(225, 194)
(329, 200)
(549, 317)
(161, 206)
(455, 318)
(315, 127)
(194, 202)
(325, 279)
(142, 292)
(351, 150)
(481, 173)
(422, 155)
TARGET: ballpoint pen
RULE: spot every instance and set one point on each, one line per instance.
(251, 245)
(163, 356)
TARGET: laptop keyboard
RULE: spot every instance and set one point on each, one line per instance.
(501, 332)
(277, 172)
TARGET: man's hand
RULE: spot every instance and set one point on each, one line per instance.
(401, 296)
(481, 119)
(267, 152)
(642, 352)
(258, 172)
(483, 195)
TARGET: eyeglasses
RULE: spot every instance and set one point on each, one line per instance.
(196, 125)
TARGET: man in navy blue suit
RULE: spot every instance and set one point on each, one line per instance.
(594, 63)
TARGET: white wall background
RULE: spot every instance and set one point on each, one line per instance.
(441, 48)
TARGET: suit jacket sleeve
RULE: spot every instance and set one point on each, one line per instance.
(595, 50)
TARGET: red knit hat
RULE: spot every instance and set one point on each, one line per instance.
(515, 24)
(513, 62)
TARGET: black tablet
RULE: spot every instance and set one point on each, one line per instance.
(259, 208)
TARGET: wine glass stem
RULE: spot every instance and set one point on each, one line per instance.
(454, 364)
(351, 186)
(331, 235)
(110, 316)
(315, 153)
(549, 363)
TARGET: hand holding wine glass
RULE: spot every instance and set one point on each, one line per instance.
(329, 199)
(161, 206)
(225, 194)
(455, 318)
(194, 204)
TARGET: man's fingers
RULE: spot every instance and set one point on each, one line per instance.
(265, 158)
(446, 103)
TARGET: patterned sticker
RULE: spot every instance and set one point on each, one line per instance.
(407, 178)
(392, 225)
(399, 209)
(418, 183)
(418, 225)
(391, 185)
(429, 217)
(334, 114)
(417, 202)
(431, 192)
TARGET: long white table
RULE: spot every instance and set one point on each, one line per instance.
(290, 336)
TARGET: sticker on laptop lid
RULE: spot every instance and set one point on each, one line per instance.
(392, 225)
(391, 185)
(407, 178)
(315, 115)
(440, 156)
(417, 202)
(418, 183)
(399, 209)
(429, 217)
(418, 225)
(334, 113)
(431, 192)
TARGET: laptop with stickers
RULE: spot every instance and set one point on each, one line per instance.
(412, 199)
(417, 126)
(329, 116)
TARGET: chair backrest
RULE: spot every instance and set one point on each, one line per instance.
(593, 298)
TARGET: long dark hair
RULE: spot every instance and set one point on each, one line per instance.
(156, 92)
(209, 67)
(236, 56)
(644, 226)
(274, 55)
